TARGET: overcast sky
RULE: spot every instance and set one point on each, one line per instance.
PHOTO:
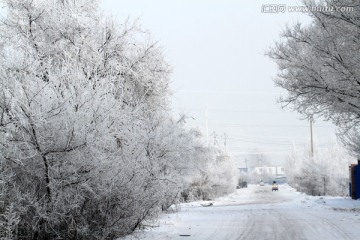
(216, 49)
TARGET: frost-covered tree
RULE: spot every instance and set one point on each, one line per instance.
(87, 147)
(76, 90)
(326, 173)
(213, 175)
(319, 65)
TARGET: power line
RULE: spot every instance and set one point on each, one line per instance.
(255, 153)
(258, 125)
(232, 110)
(260, 141)
(228, 92)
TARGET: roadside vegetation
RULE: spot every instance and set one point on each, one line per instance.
(88, 149)
(319, 69)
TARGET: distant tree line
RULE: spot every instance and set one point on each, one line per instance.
(326, 173)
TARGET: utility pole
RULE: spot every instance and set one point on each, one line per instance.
(225, 138)
(215, 139)
(207, 127)
(311, 136)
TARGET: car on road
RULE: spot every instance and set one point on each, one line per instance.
(242, 184)
(262, 183)
(275, 187)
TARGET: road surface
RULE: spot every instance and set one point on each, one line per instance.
(257, 213)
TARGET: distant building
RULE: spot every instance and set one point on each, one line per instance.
(276, 171)
(264, 174)
(243, 170)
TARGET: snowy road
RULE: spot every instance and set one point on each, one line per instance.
(256, 213)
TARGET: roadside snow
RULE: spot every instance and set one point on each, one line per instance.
(334, 203)
(258, 213)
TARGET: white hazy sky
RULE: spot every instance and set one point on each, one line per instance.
(216, 48)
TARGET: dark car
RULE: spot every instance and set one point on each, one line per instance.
(275, 187)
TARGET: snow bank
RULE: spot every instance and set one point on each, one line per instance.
(200, 219)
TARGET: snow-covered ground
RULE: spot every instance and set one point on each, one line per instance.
(257, 213)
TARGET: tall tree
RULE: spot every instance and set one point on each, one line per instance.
(76, 89)
(88, 149)
(319, 65)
